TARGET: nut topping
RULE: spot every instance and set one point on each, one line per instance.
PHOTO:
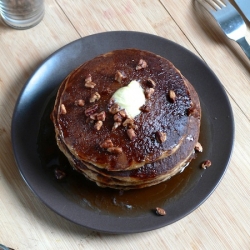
(93, 116)
(107, 144)
(118, 117)
(114, 108)
(193, 111)
(128, 123)
(206, 164)
(160, 211)
(59, 174)
(94, 97)
(198, 147)
(119, 76)
(151, 83)
(141, 65)
(88, 78)
(101, 116)
(98, 125)
(91, 110)
(90, 85)
(115, 150)
(123, 113)
(131, 134)
(88, 82)
(116, 125)
(172, 95)
(161, 136)
(98, 116)
(149, 92)
(145, 108)
(80, 102)
(63, 109)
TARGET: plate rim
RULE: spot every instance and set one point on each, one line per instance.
(118, 33)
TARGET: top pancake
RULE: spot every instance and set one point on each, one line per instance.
(77, 130)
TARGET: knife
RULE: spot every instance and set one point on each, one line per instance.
(244, 6)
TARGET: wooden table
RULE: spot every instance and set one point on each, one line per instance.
(222, 222)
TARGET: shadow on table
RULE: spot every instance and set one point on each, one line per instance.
(9, 173)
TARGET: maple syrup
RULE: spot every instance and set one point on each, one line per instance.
(111, 201)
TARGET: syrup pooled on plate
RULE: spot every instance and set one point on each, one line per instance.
(78, 189)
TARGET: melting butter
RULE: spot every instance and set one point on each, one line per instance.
(130, 98)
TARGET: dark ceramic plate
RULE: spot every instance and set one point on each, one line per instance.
(102, 209)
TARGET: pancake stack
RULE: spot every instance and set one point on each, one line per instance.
(113, 148)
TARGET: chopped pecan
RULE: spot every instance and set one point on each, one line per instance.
(141, 65)
(93, 116)
(114, 108)
(118, 117)
(98, 125)
(150, 83)
(160, 211)
(206, 164)
(116, 125)
(119, 76)
(59, 174)
(193, 111)
(161, 136)
(88, 78)
(80, 102)
(111, 102)
(115, 150)
(88, 82)
(98, 116)
(145, 108)
(148, 92)
(123, 113)
(101, 116)
(63, 109)
(94, 97)
(107, 144)
(90, 85)
(90, 120)
(172, 95)
(91, 110)
(128, 123)
(131, 134)
(198, 147)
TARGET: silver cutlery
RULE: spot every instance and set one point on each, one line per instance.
(229, 20)
(244, 6)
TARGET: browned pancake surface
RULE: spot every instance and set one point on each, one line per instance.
(78, 133)
(151, 173)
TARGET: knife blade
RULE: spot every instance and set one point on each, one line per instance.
(244, 6)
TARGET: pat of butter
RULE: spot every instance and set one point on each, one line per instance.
(130, 98)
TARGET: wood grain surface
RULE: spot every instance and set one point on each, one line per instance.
(221, 222)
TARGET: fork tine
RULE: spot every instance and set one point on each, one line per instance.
(225, 2)
(219, 3)
(230, 21)
(207, 5)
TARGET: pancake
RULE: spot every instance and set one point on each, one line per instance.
(150, 174)
(82, 139)
(164, 133)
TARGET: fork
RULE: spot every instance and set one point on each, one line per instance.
(229, 20)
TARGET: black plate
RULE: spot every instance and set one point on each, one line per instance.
(217, 135)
